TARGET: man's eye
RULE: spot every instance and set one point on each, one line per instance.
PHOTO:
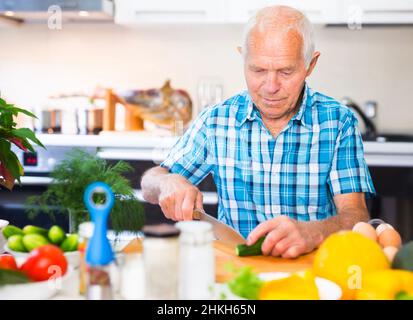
(286, 72)
(258, 70)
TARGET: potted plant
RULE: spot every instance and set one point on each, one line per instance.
(69, 181)
(10, 166)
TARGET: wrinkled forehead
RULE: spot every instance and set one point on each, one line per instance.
(275, 40)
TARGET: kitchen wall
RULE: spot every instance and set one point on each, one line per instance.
(373, 63)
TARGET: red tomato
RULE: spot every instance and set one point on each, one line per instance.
(44, 262)
(7, 261)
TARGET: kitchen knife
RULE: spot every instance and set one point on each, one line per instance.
(221, 231)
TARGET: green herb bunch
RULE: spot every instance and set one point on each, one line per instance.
(10, 166)
(70, 179)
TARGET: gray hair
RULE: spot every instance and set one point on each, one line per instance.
(274, 16)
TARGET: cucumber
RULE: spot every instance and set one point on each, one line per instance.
(70, 243)
(243, 250)
(12, 277)
(33, 241)
(10, 230)
(29, 229)
(15, 243)
(56, 235)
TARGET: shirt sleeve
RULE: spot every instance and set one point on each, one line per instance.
(190, 156)
(349, 172)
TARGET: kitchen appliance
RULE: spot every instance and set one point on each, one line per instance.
(221, 231)
(48, 121)
(369, 132)
(40, 11)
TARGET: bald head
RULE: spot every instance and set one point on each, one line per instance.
(280, 22)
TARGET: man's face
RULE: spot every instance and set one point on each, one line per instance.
(275, 72)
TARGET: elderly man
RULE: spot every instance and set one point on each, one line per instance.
(287, 161)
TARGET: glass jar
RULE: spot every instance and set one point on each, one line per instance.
(197, 263)
(161, 259)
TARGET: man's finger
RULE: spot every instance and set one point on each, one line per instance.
(261, 230)
(199, 204)
(166, 208)
(178, 207)
(272, 239)
(293, 252)
(188, 204)
(283, 245)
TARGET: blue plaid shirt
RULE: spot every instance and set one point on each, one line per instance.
(318, 154)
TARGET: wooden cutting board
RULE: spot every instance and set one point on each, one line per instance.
(225, 254)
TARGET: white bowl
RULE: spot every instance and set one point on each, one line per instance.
(327, 289)
(72, 257)
(40, 290)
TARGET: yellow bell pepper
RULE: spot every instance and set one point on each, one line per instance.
(298, 286)
(385, 285)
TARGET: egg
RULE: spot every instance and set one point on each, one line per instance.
(390, 252)
(366, 230)
(383, 226)
(390, 238)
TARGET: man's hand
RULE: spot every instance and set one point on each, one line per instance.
(286, 237)
(178, 197)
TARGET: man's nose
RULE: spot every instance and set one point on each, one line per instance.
(272, 83)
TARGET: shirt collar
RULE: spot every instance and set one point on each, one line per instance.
(250, 112)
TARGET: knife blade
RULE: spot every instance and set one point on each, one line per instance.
(221, 231)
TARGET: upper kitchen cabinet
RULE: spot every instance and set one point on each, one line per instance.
(350, 12)
(169, 12)
(374, 12)
(318, 11)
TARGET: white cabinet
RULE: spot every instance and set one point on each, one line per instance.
(375, 11)
(318, 11)
(169, 11)
(239, 11)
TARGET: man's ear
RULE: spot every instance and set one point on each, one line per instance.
(313, 63)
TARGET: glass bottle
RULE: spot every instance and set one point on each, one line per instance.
(161, 259)
(197, 263)
(85, 232)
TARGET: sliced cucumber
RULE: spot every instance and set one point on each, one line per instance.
(243, 250)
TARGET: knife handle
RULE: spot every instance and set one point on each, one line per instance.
(196, 215)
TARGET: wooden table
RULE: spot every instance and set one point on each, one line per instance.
(225, 254)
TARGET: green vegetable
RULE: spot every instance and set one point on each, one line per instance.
(29, 229)
(33, 241)
(56, 235)
(403, 296)
(15, 243)
(246, 283)
(70, 179)
(10, 230)
(70, 243)
(404, 257)
(12, 277)
(243, 250)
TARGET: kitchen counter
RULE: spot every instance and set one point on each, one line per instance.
(148, 146)
(224, 254)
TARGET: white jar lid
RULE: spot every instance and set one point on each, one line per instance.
(195, 232)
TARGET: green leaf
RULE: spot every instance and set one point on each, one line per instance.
(10, 160)
(246, 283)
(26, 112)
(26, 133)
